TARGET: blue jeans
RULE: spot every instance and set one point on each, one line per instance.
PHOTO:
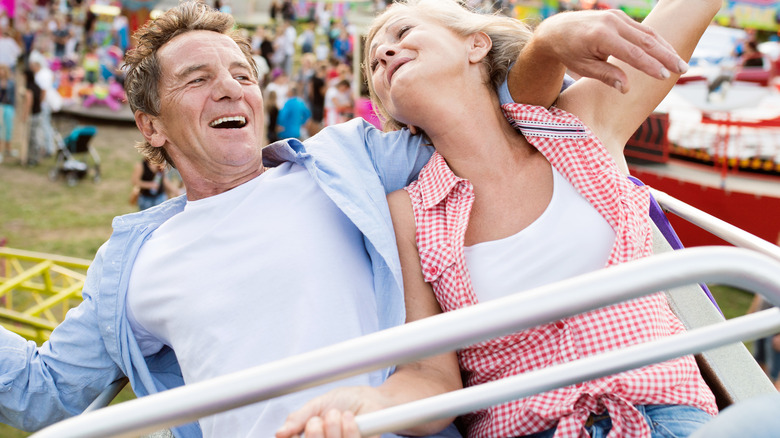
(145, 202)
(665, 421)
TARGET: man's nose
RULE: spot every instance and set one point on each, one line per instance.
(227, 87)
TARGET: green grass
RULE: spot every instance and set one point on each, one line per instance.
(732, 301)
(48, 216)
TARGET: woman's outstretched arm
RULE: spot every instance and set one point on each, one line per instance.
(580, 42)
(614, 116)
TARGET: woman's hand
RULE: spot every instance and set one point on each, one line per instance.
(332, 415)
(584, 40)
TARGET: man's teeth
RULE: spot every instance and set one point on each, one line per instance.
(234, 121)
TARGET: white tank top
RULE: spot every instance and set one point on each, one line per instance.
(265, 271)
(569, 238)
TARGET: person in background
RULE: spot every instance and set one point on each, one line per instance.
(285, 45)
(28, 39)
(751, 57)
(60, 36)
(272, 116)
(339, 104)
(274, 10)
(151, 183)
(317, 89)
(52, 102)
(32, 114)
(306, 70)
(7, 111)
(263, 68)
(266, 45)
(307, 38)
(294, 115)
(279, 84)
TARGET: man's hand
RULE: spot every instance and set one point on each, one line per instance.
(584, 40)
(333, 415)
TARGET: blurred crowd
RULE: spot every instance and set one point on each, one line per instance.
(52, 54)
(305, 59)
(59, 53)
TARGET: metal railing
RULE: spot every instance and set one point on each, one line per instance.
(37, 290)
(732, 266)
(731, 234)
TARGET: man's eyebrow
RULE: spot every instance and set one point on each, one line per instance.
(189, 70)
(198, 67)
(241, 64)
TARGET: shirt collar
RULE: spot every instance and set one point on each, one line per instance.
(282, 151)
(437, 181)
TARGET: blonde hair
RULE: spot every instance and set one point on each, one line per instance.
(143, 68)
(508, 37)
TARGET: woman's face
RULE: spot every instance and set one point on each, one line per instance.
(411, 59)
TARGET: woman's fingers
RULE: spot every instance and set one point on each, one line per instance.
(584, 41)
(645, 50)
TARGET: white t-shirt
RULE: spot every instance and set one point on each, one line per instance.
(267, 270)
(570, 238)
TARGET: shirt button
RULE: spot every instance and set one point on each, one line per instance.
(560, 325)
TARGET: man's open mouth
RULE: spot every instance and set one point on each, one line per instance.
(233, 122)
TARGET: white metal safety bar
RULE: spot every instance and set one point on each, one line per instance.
(757, 325)
(732, 266)
(730, 233)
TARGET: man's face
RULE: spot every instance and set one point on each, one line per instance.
(211, 113)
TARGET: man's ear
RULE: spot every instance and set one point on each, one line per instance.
(479, 46)
(148, 125)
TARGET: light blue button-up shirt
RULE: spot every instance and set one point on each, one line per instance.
(355, 164)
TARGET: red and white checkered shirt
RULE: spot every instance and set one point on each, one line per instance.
(442, 203)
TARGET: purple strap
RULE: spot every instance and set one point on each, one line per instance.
(662, 222)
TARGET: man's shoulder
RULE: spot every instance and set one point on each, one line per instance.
(153, 216)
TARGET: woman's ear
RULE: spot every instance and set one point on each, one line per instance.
(147, 124)
(479, 46)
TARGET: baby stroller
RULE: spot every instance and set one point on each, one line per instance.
(66, 165)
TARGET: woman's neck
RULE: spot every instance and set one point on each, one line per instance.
(479, 142)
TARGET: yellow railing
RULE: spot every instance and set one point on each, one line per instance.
(37, 290)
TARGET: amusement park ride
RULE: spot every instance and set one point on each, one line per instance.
(718, 149)
(33, 285)
(725, 362)
(693, 152)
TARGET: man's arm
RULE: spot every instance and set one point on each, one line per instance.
(40, 386)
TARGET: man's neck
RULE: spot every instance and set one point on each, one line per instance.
(204, 188)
